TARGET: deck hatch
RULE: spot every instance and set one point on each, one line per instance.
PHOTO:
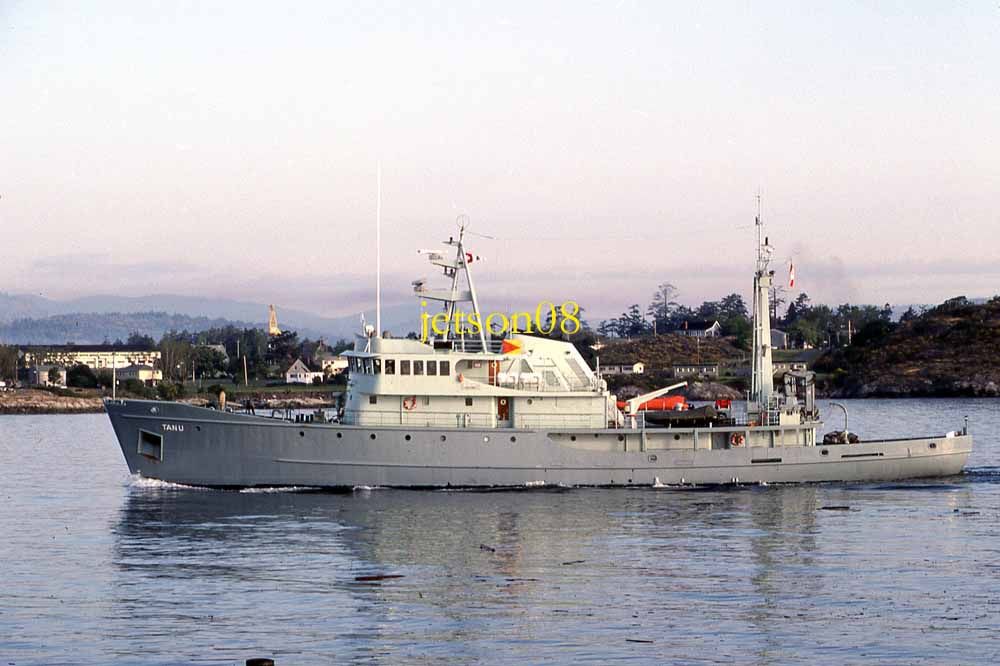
(150, 445)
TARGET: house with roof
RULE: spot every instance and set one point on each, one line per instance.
(146, 374)
(636, 368)
(300, 373)
(704, 328)
(696, 370)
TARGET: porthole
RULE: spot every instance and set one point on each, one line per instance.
(486, 438)
(932, 445)
(302, 433)
(824, 452)
(621, 438)
(154, 410)
(676, 437)
(530, 401)
(372, 436)
(444, 438)
(513, 439)
(572, 438)
(596, 435)
(407, 438)
(339, 435)
(198, 428)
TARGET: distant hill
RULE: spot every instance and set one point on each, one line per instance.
(43, 312)
(93, 328)
(948, 351)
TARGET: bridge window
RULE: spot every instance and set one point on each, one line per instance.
(468, 402)
(445, 367)
(373, 400)
(390, 366)
(378, 366)
(404, 367)
(418, 367)
(432, 367)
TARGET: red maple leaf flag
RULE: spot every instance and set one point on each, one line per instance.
(791, 275)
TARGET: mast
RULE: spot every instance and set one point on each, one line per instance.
(464, 258)
(762, 376)
(378, 252)
(453, 295)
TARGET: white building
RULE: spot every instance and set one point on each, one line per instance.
(95, 357)
(146, 374)
(39, 375)
(700, 329)
(299, 373)
(696, 369)
(636, 368)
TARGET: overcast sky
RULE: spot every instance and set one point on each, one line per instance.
(231, 148)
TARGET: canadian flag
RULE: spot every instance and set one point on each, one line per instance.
(791, 275)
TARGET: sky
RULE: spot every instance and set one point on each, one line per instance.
(231, 148)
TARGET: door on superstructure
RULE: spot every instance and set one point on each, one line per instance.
(503, 412)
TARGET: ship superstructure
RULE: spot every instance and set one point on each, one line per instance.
(467, 378)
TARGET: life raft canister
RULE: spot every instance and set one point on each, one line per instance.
(409, 403)
(737, 439)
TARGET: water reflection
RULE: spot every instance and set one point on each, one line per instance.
(480, 570)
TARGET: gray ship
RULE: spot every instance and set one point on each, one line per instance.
(468, 409)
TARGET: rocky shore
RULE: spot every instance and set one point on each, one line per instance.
(32, 401)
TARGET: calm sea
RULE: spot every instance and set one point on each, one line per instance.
(98, 568)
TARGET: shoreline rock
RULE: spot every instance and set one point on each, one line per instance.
(34, 401)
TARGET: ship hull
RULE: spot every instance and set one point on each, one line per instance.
(197, 446)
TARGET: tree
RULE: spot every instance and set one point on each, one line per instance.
(207, 361)
(632, 323)
(777, 300)
(662, 306)
(139, 339)
(81, 376)
(105, 378)
(909, 315)
(54, 375)
(885, 314)
(283, 349)
(798, 308)
(8, 362)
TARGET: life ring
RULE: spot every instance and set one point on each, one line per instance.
(503, 401)
(737, 439)
(409, 403)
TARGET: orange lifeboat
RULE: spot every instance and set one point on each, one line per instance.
(663, 403)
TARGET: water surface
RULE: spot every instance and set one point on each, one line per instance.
(98, 568)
